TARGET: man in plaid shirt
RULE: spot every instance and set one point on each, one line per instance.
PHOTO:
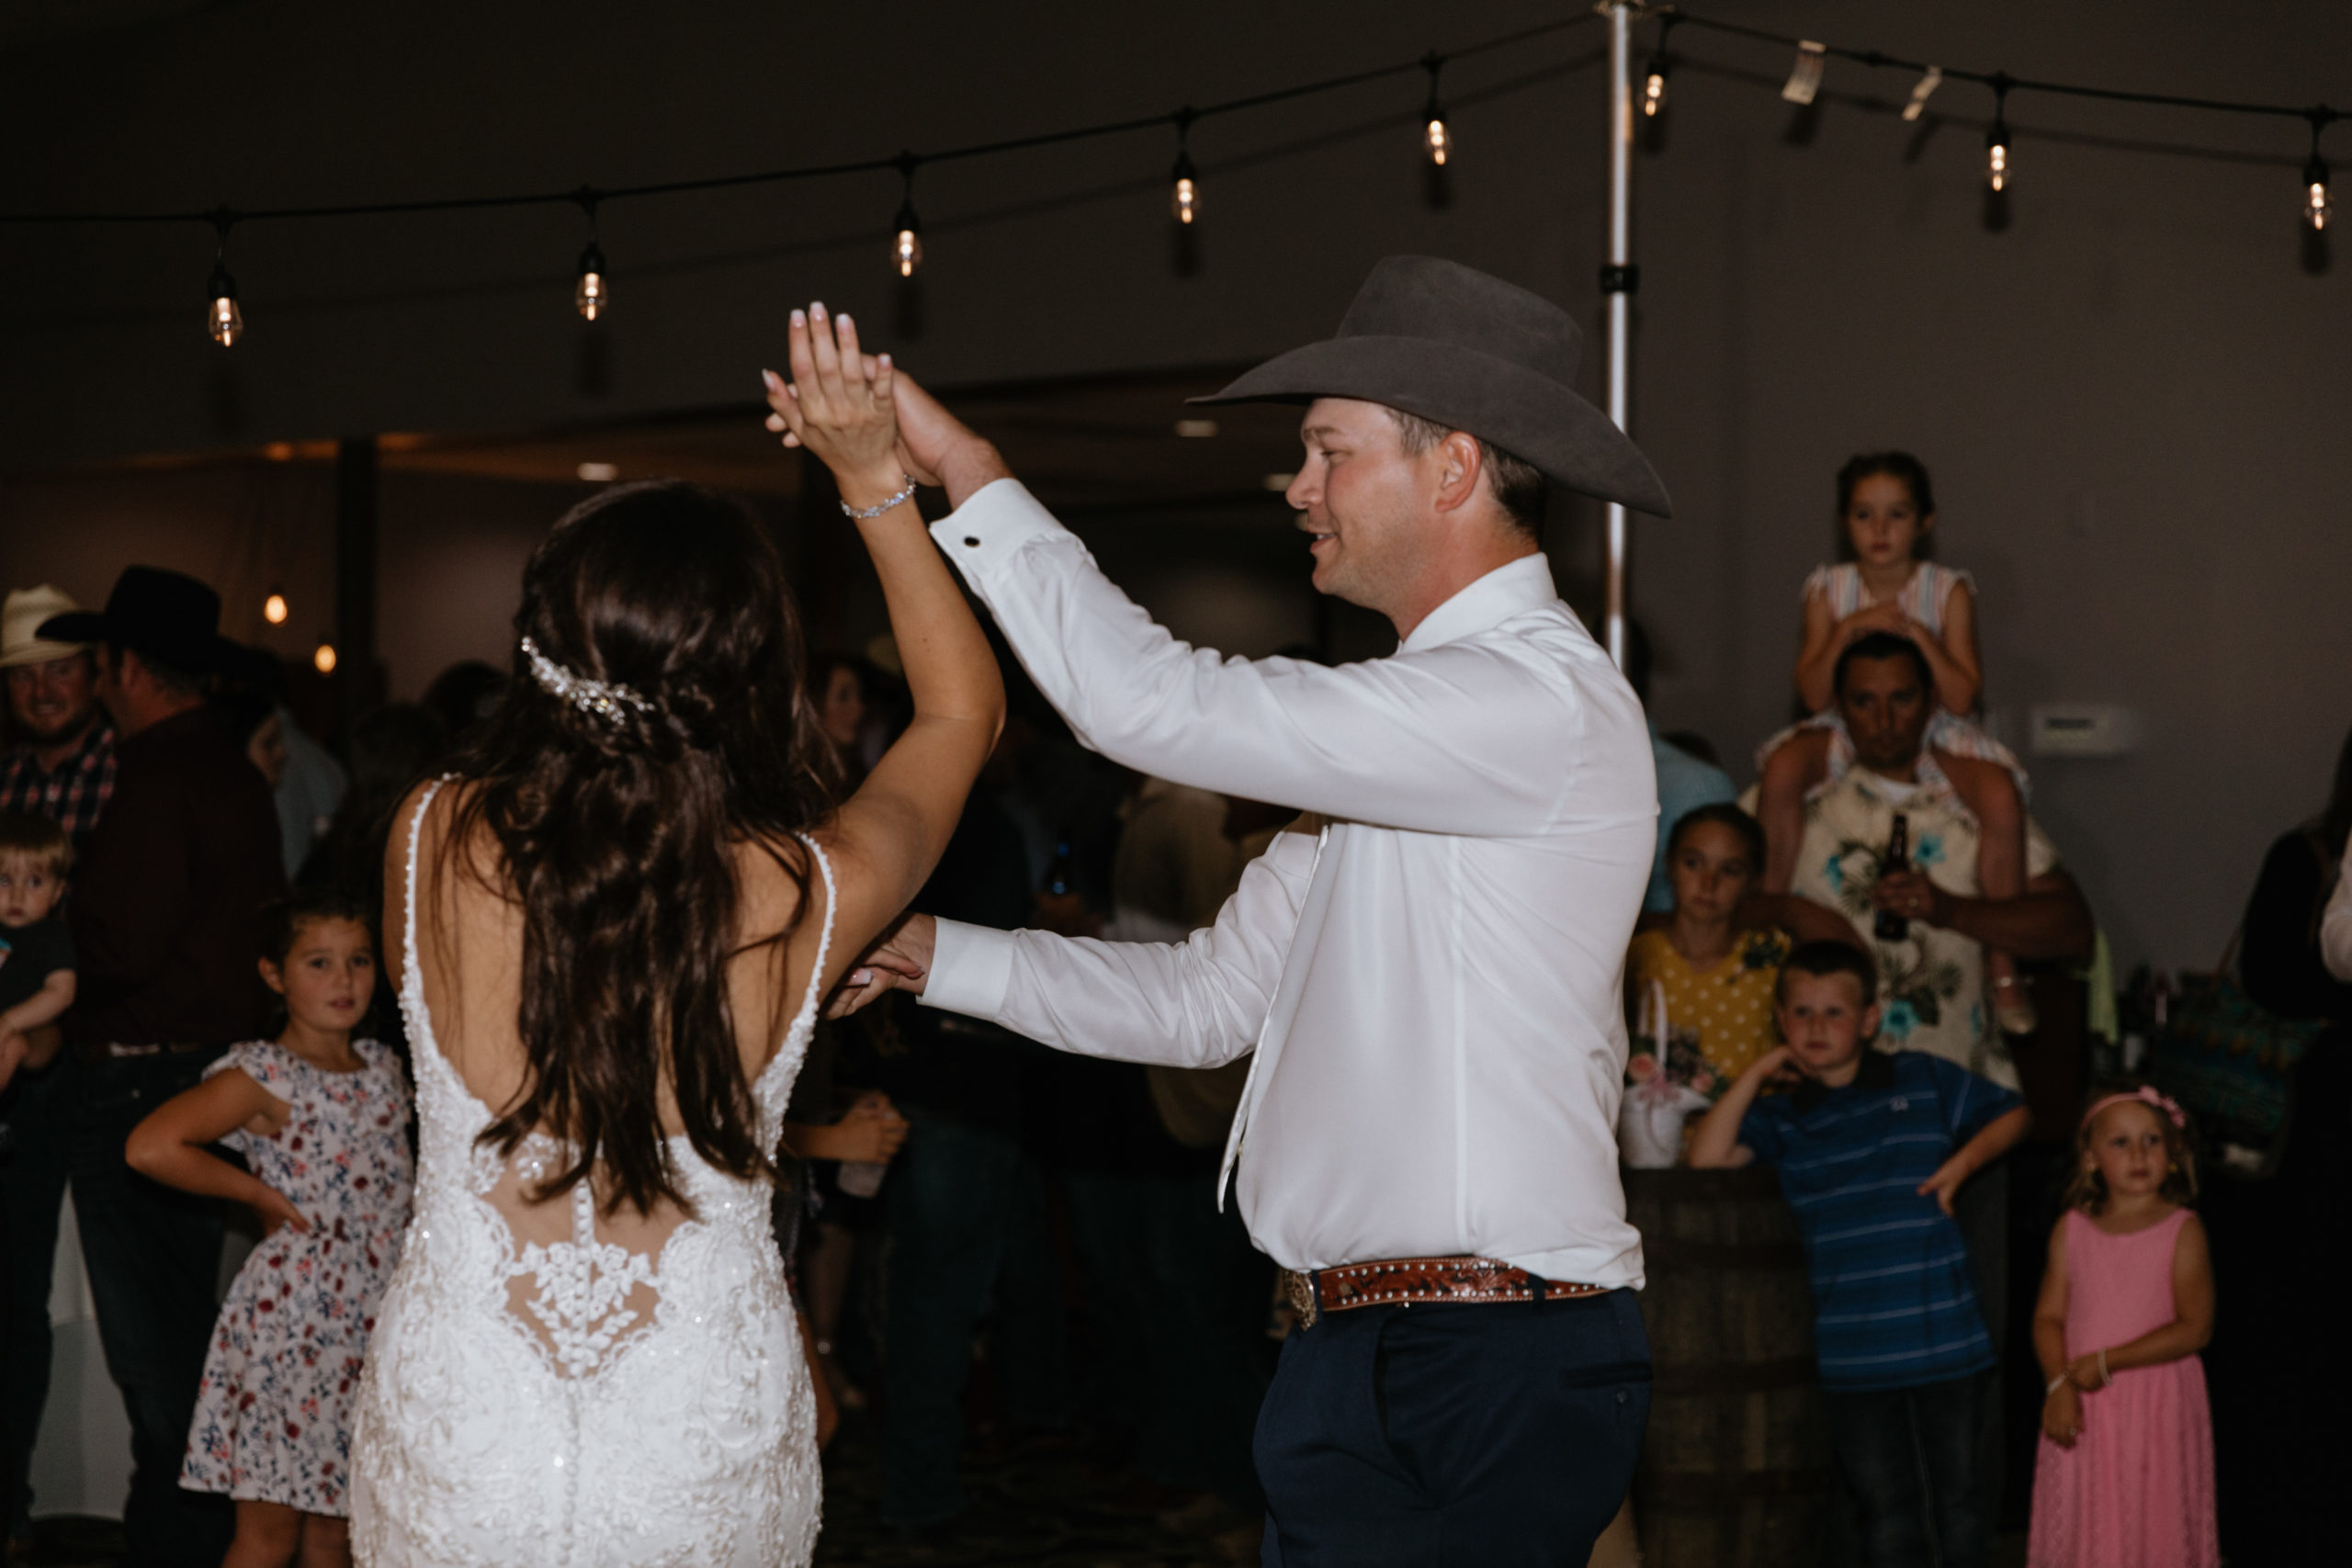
(60, 765)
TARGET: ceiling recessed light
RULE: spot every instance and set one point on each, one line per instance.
(600, 473)
(1196, 429)
(1279, 481)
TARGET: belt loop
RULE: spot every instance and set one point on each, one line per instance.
(1536, 1297)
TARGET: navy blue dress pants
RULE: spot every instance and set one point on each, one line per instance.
(1442, 1435)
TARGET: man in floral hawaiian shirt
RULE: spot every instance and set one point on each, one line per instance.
(1932, 981)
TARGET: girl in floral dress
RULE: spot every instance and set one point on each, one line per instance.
(321, 1119)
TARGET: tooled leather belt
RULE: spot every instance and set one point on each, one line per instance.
(1405, 1280)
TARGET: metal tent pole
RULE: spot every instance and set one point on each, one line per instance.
(1617, 282)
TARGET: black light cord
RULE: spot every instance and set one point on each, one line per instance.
(904, 161)
(2001, 79)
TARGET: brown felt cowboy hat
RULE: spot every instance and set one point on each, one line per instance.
(164, 616)
(1449, 344)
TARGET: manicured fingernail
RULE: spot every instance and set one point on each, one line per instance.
(842, 320)
(774, 381)
(817, 308)
(861, 977)
(882, 359)
(799, 318)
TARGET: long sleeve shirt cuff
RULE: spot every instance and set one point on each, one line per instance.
(971, 967)
(992, 524)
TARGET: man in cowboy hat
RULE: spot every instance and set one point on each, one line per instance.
(61, 767)
(166, 919)
(1426, 966)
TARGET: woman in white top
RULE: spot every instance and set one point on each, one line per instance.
(614, 922)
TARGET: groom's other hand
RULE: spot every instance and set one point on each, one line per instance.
(899, 962)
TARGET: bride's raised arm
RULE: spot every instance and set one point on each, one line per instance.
(889, 834)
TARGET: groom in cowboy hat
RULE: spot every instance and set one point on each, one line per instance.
(1427, 965)
(166, 920)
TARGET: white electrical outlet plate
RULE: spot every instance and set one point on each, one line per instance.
(2081, 729)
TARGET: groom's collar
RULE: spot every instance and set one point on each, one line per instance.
(1506, 590)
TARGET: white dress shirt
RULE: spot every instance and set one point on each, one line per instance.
(1432, 981)
(2336, 925)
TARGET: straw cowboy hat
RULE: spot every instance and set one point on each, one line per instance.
(20, 622)
(1473, 353)
(165, 615)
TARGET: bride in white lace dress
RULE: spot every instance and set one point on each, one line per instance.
(614, 923)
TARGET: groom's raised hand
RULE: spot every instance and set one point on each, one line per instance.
(900, 961)
(941, 449)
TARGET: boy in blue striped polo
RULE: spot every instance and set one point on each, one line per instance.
(1872, 1146)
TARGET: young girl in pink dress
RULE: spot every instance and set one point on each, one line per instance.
(2125, 1474)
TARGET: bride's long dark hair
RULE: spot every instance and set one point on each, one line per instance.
(617, 833)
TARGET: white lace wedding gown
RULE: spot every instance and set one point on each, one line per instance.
(548, 1386)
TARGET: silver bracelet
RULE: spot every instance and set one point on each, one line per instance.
(2053, 1385)
(867, 514)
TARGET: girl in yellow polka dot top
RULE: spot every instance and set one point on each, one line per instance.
(1716, 982)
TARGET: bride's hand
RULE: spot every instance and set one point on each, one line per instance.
(839, 406)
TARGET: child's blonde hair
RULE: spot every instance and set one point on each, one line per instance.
(37, 838)
(2087, 1190)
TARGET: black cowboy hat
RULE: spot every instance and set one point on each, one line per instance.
(1449, 344)
(165, 615)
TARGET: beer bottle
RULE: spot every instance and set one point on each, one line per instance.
(1889, 926)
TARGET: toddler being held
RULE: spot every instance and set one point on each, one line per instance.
(36, 951)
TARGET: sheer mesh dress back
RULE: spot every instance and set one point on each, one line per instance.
(549, 1384)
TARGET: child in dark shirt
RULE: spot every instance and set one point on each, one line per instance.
(1872, 1146)
(36, 954)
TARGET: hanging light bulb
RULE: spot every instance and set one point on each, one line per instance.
(273, 608)
(1653, 84)
(226, 322)
(1436, 137)
(593, 294)
(2317, 208)
(322, 658)
(223, 319)
(906, 243)
(1996, 141)
(1184, 197)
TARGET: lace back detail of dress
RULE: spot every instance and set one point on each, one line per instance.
(583, 1283)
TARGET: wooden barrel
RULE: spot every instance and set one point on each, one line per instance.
(1736, 1470)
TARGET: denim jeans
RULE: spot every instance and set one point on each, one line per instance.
(1910, 1458)
(153, 1257)
(1423, 1436)
(965, 1209)
(33, 1189)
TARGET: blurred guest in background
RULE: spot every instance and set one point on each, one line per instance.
(167, 915)
(462, 696)
(1686, 780)
(61, 767)
(2278, 1290)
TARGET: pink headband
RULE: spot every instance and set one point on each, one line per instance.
(2144, 1095)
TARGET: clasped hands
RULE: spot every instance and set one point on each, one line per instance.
(2062, 1410)
(866, 420)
